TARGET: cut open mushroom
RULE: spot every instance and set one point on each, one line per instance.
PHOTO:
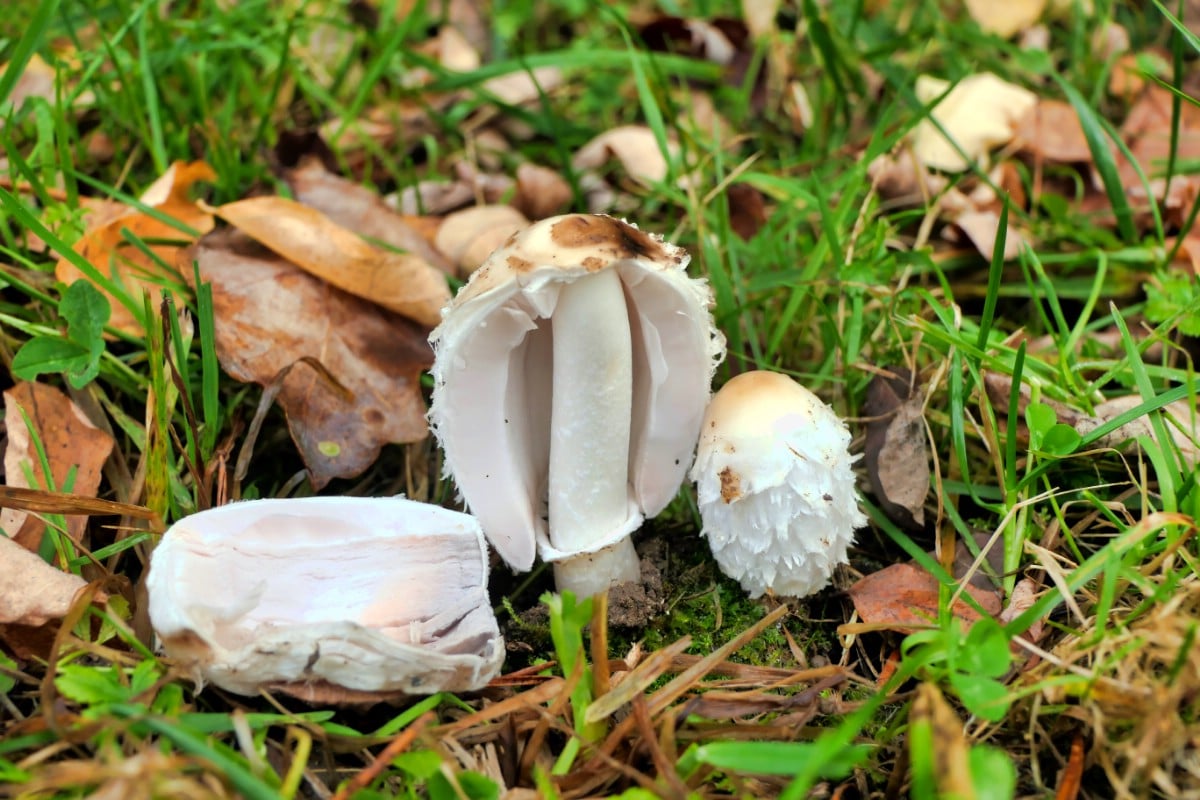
(363, 594)
(570, 378)
(775, 486)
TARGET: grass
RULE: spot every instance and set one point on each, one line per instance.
(838, 285)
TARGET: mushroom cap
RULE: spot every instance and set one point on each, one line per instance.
(492, 374)
(363, 594)
(775, 485)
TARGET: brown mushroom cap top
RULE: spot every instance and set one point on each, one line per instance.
(582, 242)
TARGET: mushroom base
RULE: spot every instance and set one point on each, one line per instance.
(592, 573)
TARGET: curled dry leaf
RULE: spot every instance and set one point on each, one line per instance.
(747, 209)
(1180, 423)
(359, 209)
(1147, 131)
(897, 452)
(400, 282)
(72, 444)
(904, 598)
(33, 596)
(106, 248)
(270, 315)
(1008, 18)
(634, 146)
(979, 113)
(469, 236)
(519, 88)
(951, 762)
(362, 594)
(541, 192)
(33, 592)
(901, 177)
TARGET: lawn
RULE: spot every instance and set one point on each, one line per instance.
(227, 230)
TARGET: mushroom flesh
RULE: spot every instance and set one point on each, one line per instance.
(362, 594)
(775, 485)
(570, 378)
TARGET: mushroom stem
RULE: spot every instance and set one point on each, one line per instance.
(590, 418)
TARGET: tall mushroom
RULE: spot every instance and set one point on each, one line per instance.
(775, 485)
(570, 377)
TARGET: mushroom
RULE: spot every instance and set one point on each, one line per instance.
(775, 486)
(570, 377)
(324, 596)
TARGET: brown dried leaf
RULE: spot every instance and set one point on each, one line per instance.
(270, 314)
(105, 247)
(541, 192)
(400, 282)
(1051, 131)
(904, 598)
(359, 209)
(71, 443)
(747, 209)
(896, 453)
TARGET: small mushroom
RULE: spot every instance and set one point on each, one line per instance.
(320, 594)
(570, 377)
(775, 486)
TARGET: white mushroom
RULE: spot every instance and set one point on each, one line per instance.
(774, 484)
(362, 594)
(570, 377)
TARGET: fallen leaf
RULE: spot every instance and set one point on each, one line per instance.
(520, 88)
(270, 315)
(37, 80)
(977, 214)
(469, 236)
(904, 598)
(901, 177)
(1180, 423)
(1147, 132)
(34, 596)
(760, 16)
(359, 209)
(979, 113)
(747, 209)
(106, 248)
(72, 444)
(400, 282)
(33, 592)
(1024, 595)
(897, 452)
(1050, 131)
(950, 751)
(634, 146)
(1008, 18)
(541, 192)
(716, 40)
(431, 197)
(982, 227)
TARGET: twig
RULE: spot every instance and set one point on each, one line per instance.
(395, 747)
